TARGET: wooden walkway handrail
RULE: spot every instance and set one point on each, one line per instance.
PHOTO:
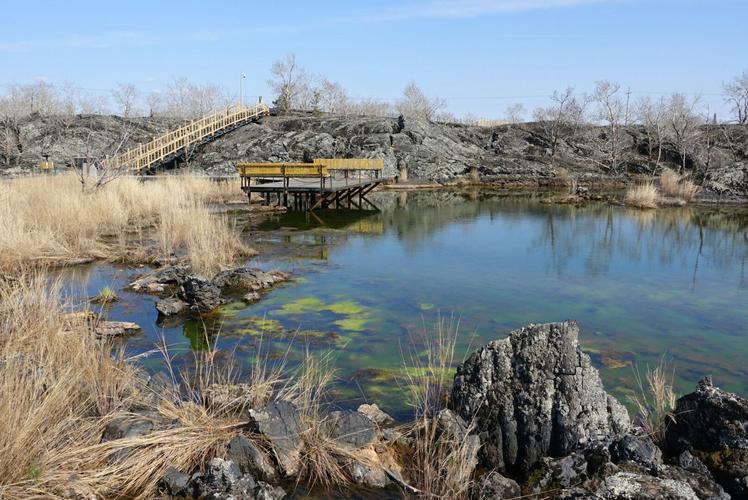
(145, 155)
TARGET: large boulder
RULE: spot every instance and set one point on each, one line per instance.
(712, 424)
(535, 394)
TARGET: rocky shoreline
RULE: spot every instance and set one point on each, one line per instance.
(527, 417)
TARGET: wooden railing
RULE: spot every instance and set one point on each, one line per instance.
(155, 151)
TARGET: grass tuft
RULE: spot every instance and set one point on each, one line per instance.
(642, 196)
(656, 400)
(677, 186)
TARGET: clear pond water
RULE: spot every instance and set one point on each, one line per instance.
(641, 284)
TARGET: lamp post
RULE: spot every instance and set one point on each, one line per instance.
(241, 88)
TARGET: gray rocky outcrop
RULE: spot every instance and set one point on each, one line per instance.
(506, 154)
(535, 394)
(712, 425)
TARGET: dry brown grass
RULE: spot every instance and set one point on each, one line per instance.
(59, 389)
(656, 400)
(440, 465)
(49, 219)
(677, 186)
(642, 196)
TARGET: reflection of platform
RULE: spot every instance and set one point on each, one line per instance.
(354, 221)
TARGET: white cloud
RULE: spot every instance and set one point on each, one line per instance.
(445, 9)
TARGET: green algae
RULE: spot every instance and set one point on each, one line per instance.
(352, 324)
(302, 305)
(345, 307)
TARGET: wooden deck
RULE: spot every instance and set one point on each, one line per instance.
(323, 183)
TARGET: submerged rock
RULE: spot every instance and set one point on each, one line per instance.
(200, 294)
(535, 394)
(279, 423)
(713, 426)
(109, 329)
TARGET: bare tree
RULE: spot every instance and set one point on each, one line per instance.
(515, 113)
(611, 111)
(370, 107)
(652, 117)
(683, 125)
(737, 96)
(155, 101)
(560, 119)
(289, 81)
(184, 99)
(332, 96)
(125, 97)
(415, 104)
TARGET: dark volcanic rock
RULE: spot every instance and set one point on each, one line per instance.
(170, 306)
(200, 294)
(713, 426)
(175, 483)
(535, 394)
(251, 459)
(494, 486)
(156, 280)
(244, 280)
(351, 428)
(279, 424)
(637, 448)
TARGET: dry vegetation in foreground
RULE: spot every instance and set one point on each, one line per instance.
(50, 219)
(440, 466)
(656, 400)
(60, 388)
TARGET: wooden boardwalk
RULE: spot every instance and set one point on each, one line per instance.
(176, 142)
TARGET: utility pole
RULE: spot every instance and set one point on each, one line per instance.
(241, 88)
(628, 98)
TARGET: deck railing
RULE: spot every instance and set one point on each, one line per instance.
(150, 153)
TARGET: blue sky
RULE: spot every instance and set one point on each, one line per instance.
(481, 55)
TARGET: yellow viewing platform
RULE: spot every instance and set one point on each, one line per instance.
(321, 167)
(295, 191)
